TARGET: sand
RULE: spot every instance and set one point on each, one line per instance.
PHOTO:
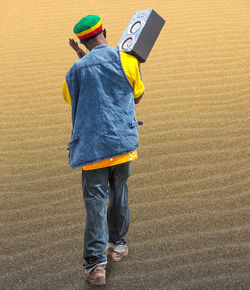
(189, 189)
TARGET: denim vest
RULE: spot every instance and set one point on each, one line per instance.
(103, 110)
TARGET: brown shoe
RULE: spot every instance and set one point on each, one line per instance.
(116, 253)
(97, 276)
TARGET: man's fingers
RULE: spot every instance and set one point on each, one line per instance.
(73, 43)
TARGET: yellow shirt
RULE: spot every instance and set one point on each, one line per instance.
(131, 68)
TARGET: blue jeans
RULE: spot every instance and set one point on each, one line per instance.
(102, 227)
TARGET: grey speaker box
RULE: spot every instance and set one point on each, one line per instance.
(141, 33)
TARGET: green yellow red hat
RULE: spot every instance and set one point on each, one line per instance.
(88, 27)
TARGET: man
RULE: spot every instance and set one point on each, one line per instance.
(103, 88)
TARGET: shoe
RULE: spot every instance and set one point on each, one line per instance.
(116, 253)
(97, 276)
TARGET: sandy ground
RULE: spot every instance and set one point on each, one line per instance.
(189, 189)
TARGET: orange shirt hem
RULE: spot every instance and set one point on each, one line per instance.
(112, 161)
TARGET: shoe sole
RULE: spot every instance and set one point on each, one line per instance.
(110, 258)
(99, 281)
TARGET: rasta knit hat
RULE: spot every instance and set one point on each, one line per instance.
(88, 27)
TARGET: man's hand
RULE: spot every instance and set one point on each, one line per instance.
(77, 49)
(137, 100)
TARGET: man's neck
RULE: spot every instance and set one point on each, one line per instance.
(97, 41)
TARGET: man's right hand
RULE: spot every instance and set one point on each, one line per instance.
(137, 100)
(77, 49)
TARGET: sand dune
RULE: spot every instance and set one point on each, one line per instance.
(189, 189)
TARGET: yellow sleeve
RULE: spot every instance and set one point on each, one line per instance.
(131, 67)
(65, 92)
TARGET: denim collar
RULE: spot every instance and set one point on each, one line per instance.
(100, 46)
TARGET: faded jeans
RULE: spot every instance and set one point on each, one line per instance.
(105, 226)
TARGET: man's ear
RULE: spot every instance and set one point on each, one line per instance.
(105, 33)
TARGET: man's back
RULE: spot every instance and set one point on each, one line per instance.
(103, 109)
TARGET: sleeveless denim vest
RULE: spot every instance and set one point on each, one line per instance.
(103, 110)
